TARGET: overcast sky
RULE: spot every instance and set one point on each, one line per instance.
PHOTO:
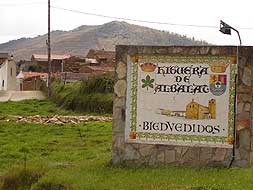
(28, 18)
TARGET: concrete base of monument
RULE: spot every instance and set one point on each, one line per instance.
(176, 143)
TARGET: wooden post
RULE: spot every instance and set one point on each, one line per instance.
(49, 53)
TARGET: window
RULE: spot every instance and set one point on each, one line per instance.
(11, 71)
(3, 83)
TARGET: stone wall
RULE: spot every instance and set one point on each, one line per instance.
(155, 154)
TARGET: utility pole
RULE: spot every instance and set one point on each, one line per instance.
(49, 53)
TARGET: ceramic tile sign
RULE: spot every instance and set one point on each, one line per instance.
(181, 100)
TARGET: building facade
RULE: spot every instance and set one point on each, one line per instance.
(28, 81)
(7, 72)
(40, 62)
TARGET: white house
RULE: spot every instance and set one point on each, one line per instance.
(7, 72)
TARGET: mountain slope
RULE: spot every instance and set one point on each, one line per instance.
(83, 38)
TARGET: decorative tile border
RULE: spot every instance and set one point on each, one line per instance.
(182, 59)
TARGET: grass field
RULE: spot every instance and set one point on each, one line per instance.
(35, 107)
(78, 157)
(31, 107)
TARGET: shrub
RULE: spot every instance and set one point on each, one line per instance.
(93, 95)
(51, 185)
(53, 181)
(21, 178)
(99, 84)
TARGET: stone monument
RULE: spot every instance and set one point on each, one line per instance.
(183, 105)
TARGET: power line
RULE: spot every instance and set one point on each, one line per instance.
(142, 21)
(20, 4)
(135, 20)
(121, 18)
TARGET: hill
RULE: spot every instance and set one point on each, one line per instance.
(83, 38)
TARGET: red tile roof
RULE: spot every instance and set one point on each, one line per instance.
(34, 74)
(44, 57)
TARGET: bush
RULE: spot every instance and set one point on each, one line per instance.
(20, 178)
(99, 84)
(54, 180)
(51, 185)
(93, 95)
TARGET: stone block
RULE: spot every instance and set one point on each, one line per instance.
(241, 163)
(206, 154)
(244, 139)
(135, 146)
(245, 154)
(229, 154)
(162, 147)
(161, 50)
(119, 102)
(251, 158)
(193, 51)
(120, 88)
(240, 73)
(240, 107)
(246, 77)
(130, 153)
(160, 157)
(118, 126)
(242, 124)
(177, 50)
(251, 140)
(132, 51)
(191, 156)
(245, 97)
(146, 150)
(116, 159)
(243, 115)
(147, 50)
(140, 49)
(219, 154)
(237, 154)
(242, 62)
(123, 58)
(118, 142)
(117, 113)
(214, 51)
(247, 107)
(181, 151)
(152, 159)
(170, 156)
(121, 70)
(243, 89)
(204, 50)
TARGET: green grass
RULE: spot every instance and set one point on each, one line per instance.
(78, 157)
(31, 107)
(53, 143)
(36, 107)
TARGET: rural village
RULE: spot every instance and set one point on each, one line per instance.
(32, 75)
